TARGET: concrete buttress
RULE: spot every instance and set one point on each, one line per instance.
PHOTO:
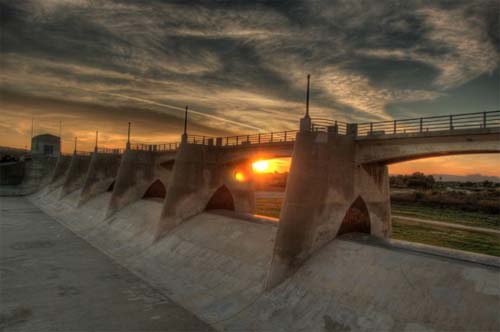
(138, 170)
(198, 177)
(62, 166)
(101, 174)
(76, 173)
(325, 187)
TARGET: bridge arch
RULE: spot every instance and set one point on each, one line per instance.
(221, 199)
(156, 189)
(356, 219)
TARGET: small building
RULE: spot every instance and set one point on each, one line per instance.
(46, 144)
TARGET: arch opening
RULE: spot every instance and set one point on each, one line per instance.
(356, 219)
(155, 190)
(111, 186)
(221, 200)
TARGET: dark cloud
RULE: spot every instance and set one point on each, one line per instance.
(246, 61)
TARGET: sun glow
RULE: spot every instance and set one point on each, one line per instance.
(260, 166)
(239, 176)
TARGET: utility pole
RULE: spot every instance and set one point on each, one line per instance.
(76, 139)
(128, 137)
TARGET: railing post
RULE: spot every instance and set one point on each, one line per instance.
(371, 128)
(248, 139)
(451, 122)
(271, 137)
(203, 140)
(395, 130)
(484, 119)
(285, 136)
(259, 138)
(227, 141)
(237, 140)
(421, 122)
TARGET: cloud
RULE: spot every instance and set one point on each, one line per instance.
(242, 66)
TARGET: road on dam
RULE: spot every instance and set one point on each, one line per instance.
(51, 280)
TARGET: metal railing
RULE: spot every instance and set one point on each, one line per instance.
(155, 147)
(83, 153)
(328, 125)
(110, 151)
(430, 124)
(242, 140)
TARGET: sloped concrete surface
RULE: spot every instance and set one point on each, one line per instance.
(51, 280)
(215, 266)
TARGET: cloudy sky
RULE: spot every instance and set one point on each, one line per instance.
(241, 66)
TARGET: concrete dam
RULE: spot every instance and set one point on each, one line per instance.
(327, 265)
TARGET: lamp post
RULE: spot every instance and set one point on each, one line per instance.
(305, 122)
(184, 135)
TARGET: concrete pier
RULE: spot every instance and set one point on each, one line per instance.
(101, 174)
(326, 195)
(199, 180)
(138, 171)
(77, 171)
(60, 170)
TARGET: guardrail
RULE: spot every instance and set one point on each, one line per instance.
(328, 125)
(110, 151)
(242, 140)
(155, 147)
(83, 153)
(429, 124)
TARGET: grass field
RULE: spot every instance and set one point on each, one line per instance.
(477, 219)
(455, 239)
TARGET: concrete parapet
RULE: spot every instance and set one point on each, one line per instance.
(200, 179)
(138, 170)
(102, 171)
(326, 195)
(76, 173)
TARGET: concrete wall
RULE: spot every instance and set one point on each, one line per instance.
(11, 173)
(323, 184)
(76, 173)
(198, 173)
(26, 177)
(138, 170)
(102, 172)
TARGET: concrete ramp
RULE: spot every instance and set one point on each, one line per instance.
(216, 266)
(102, 172)
(75, 176)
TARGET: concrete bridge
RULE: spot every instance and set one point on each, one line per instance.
(338, 181)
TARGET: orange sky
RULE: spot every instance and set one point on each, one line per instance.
(485, 164)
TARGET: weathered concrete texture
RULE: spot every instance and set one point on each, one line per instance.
(60, 170)
(137, 172)
(51, 280)
(77, 171)
(215, 266)
(404, 147)
(101, 173)
(35, 172)
(322, 187)
(11, 173)
(198, 174)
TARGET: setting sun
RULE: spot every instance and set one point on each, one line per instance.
(260, 166)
